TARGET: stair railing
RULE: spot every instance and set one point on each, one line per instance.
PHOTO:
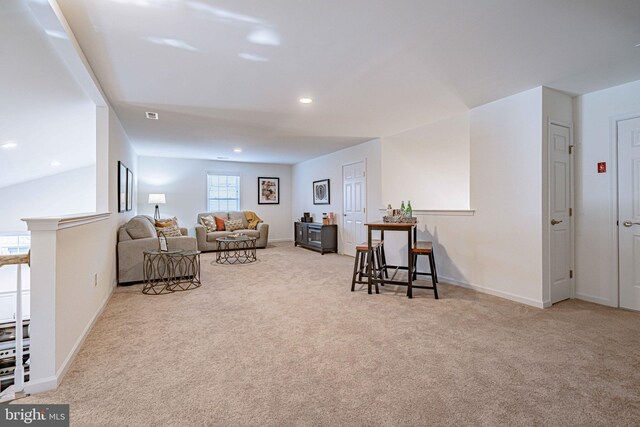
(18, 261)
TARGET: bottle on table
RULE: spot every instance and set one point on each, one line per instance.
(409, 210)
(403, 210)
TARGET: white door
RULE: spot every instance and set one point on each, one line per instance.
(560, 196)
(629, 212)
(354, 184)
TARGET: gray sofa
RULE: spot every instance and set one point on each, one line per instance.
(139, 235)
(207, 241)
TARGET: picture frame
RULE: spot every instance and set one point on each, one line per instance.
(129, 190)
(268, 190)
(162, 240)
(122, 187)
(322, 192)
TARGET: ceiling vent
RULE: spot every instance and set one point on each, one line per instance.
(151, 115)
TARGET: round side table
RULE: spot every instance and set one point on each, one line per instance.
(186, 270)
(158, 272)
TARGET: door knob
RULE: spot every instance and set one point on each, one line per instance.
(554, 222)
(630, 223)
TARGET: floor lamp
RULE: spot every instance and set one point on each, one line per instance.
(157, 199)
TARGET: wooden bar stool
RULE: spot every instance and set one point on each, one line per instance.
(360, 264)
(425, 248)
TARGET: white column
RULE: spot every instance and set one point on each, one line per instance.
(42, 369)
(47, 366)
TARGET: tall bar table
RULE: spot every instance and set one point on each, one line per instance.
(412, 235)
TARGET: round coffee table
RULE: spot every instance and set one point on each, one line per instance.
(236, 250)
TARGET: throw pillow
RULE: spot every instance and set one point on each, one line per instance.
(233, 225)
(170, 231)
(220, 223)
(209, 223)
(167, 222)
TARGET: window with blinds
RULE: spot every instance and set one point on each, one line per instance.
(223, 192)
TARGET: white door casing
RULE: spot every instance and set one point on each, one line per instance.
(354, 192)
(560, 210)
(629, 212)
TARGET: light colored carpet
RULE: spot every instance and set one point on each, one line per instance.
(284, 342)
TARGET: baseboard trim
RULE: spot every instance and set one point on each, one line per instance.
(51, 383)
(41, 385)
(597, 300)
(280, 240)
(496, 293)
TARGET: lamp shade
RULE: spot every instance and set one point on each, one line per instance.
(157, 199)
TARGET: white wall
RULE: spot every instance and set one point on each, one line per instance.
(497, 248)
(330, 166)
(90, 250)
(433, 160)
(67, 192)
(506, 191)
(596, 198)
(184, 182)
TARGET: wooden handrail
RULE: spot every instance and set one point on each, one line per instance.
(15, 259)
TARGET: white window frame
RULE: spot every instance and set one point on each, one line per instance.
(218, 173)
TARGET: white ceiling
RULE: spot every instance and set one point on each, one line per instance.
(228, 73)
(42, 108)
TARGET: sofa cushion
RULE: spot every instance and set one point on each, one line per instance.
(211, 237)
(139, 227)
(233, 225)
(241, 217)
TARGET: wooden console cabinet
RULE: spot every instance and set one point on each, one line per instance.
(318, 237)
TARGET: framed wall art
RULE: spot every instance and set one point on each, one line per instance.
(129, 190)
(268, 191)
(122, 187)
(321, 192)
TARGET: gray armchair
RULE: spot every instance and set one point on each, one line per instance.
(139, 235)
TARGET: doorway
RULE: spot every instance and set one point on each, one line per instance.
(628, 135)
(354, 191)
(560, 212)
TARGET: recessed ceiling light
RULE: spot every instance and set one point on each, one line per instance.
(264, 36)
(9, 144)
(151, 115)
(55, 163)
(56, 34)
(222, 158)
(237, 150)
(179, 44)
(306, 100)
(252, 57)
